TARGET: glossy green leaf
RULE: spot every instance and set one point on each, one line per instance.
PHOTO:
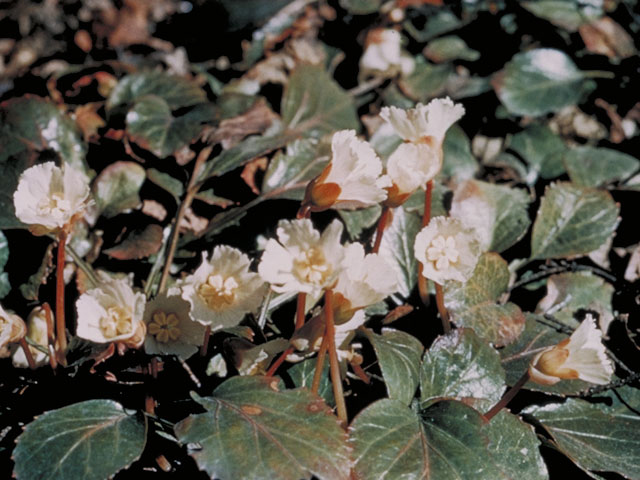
(152, 126)
(446, 441)
(399, 357)
(461, 366)
(514, 446)
(536, 336)
(569, 292)
(33, 130)
(313, 104)
(572, 220)
(302, 374)
(361, 7)
(166, 182)
(426, 81)
(5, 286)
(594, 436)
(598, 167)
(539, 81)
(116, 188)
(473, 304)
(291, 434)
(433, 22)
(566, 14)
(176, 91)
(290, 171)
(397, 249)
(446, 49)
(542, 150)
(459, 163)
(90, 440)
(356, 221)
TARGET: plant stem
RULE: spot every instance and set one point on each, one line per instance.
(300, 304)
(507, 397)
(27, 354)
(192, 189)
(423, 286)
(442, 309)
(382, 225)
(428, 194)
(598, 74)
(317, 375)
(61, 333)
(51, 336)
(336, 379)
(205, 342)
(275, 365)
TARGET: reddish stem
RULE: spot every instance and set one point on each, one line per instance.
(317, 375)
(279, 361)
(507, 397)
(444, 313)
(336, 379)
(27, 354)
(300, 304)
(61, 334)
(362, 375)
(205, 342)
(382, 225)
(428, 194)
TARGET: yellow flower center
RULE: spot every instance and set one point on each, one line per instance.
(55, 205)
(443, 252)
(218, 292)
(118, 321)
(164, 326)
(312, 267)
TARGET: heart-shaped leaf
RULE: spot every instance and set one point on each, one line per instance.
(542, 150)
(568, 15)
(461, 366)
(446, 49)
(426, 81)
(571, 221)
(473, 304)
(292, 433)
(90, 440)
(356, 221)
(116, 188)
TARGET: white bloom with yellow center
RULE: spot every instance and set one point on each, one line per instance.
(38, 333)
(419, 124)
(12, 329)
(364, 280)
(113, 312)
(222, 290)
(447, 250)
(49, 198)
(352, 179)
(581, 356)
(170, 329)
(383, 53)
(302, 260)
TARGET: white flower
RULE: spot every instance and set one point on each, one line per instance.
(49, 198)
(581, 356)
(302, 260)
(170, 329)
(37, 332)
(383, 53)
(222, 290)
(352, 179)
(12, 329)
(447, 250)
(410, 167)
(424, 122)
(365, 280)
(113, 312)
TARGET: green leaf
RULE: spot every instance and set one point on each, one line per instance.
(436, 21)
(33, 130)
(446, 49)
(498, 213)
(31, 288)
(116, 188)
(87, 440)
(313, 104)
(176, 91)
(542, 150)
(426, 81)
(461, 366)
(292, 434)
(290, 171)
(571, 221)
(569, 292)
(535, 337)
(361, 7)
(473, 304)
(5, 286)
(566, 14)
(598, 167)
(357, 221)
(399, 357)
(539, 81)
(594, 436)
(514, 447)
(166, 182)
(445, 441)
(459, 163)
(151, 125)
(302, 374)
(397, 249)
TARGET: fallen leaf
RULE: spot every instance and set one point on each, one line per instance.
(249, 172)
(397, 313)
(231, 131)
(83, 40)
(87, 118)
(193, 223)
(139, 244)
(616, 134)
(606, 37)
(154, 209)
(132, 25)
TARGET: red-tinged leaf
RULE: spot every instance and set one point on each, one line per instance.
(139, 244)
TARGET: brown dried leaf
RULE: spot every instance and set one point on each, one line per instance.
(397, 313)
(606, 37)
(616, 134)
(249, 172)
(254, 121)
(132, 25)
(193, 223)
(139, 244)
(154, 209)
(82, 39)
(89, 121)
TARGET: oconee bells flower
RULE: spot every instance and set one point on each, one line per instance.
(383, 54)
(50, 198)
(581, 356)
(352, 179)
(12, 330)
